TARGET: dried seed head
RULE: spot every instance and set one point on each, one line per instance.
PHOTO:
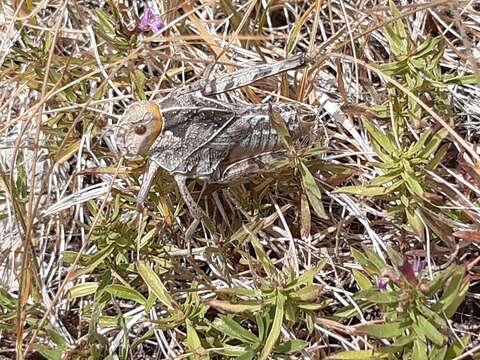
(139, 127)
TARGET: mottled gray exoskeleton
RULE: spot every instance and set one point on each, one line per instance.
(191, 134)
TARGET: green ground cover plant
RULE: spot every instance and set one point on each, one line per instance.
(360, 243)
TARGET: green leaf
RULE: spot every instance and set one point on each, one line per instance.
(379, 137)
(363, 281)
(415, 221)
(155, 285)
(248, 355)
(438, 157)
(419, 350)
(125, 292)
(426, 47)
(454, 294)
(228, 326)
(464, 80)
(266, 262)
(430, 331)
(387, 178)
(418, 145)
(358, 355)
(290, 346)
(276, 326)
(312, 190)
(138, 79)
(399, 344)
(451, 308)
(307, 293)
(457, 348)
(438, 353)
(59, 340)
(238, 307)
(434, 143)
(105, 22)
(400, 40)
(296, 29)
(382, 331)
(94, 261)
(439, 279)
(193, 341)
(47, 352)
(307, 277)
(435, 318)
(413, 184)
(84, 289)
(363, 190)
(378, 297)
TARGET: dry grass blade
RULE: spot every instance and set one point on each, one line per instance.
(354, 235)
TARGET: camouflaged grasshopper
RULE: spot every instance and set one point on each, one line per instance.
(191, 134)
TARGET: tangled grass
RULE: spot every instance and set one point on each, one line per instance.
(363, 246)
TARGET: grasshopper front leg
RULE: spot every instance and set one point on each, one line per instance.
(147, 184)
(193, 207)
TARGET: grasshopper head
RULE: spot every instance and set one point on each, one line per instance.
(138, 128)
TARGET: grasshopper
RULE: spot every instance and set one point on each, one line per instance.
(191, 134)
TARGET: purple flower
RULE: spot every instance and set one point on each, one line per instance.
(149, 21)
(411, 270)
(382, 282)
(417, 267)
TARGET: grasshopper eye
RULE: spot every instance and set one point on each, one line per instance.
(140, 129)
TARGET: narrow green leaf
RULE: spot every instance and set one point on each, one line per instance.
(266, 262)
(296, 29)
(434, 143)
(127, 293)
(438, 353)
(363, 281)
(228, 326)
(138, 79)
(387, 178)
(193, 341)
(379, 137)
(399, 29)
(419, 350)
(418, 145)
(457, 348)
(248, 355)
(378, 297)
(84, 289)
(276, 327)
(47, 352)
(399, 344)
(382, 331)
(463, 80)
(94, 261)
(452, 307)
(363, 190)
(430, 331)
(358, 355)
(312, 190)
(290, 346)
(155, 285)
(105, 22)
(413, 184)
(454, 294)
(415, 221)
(307, 277)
